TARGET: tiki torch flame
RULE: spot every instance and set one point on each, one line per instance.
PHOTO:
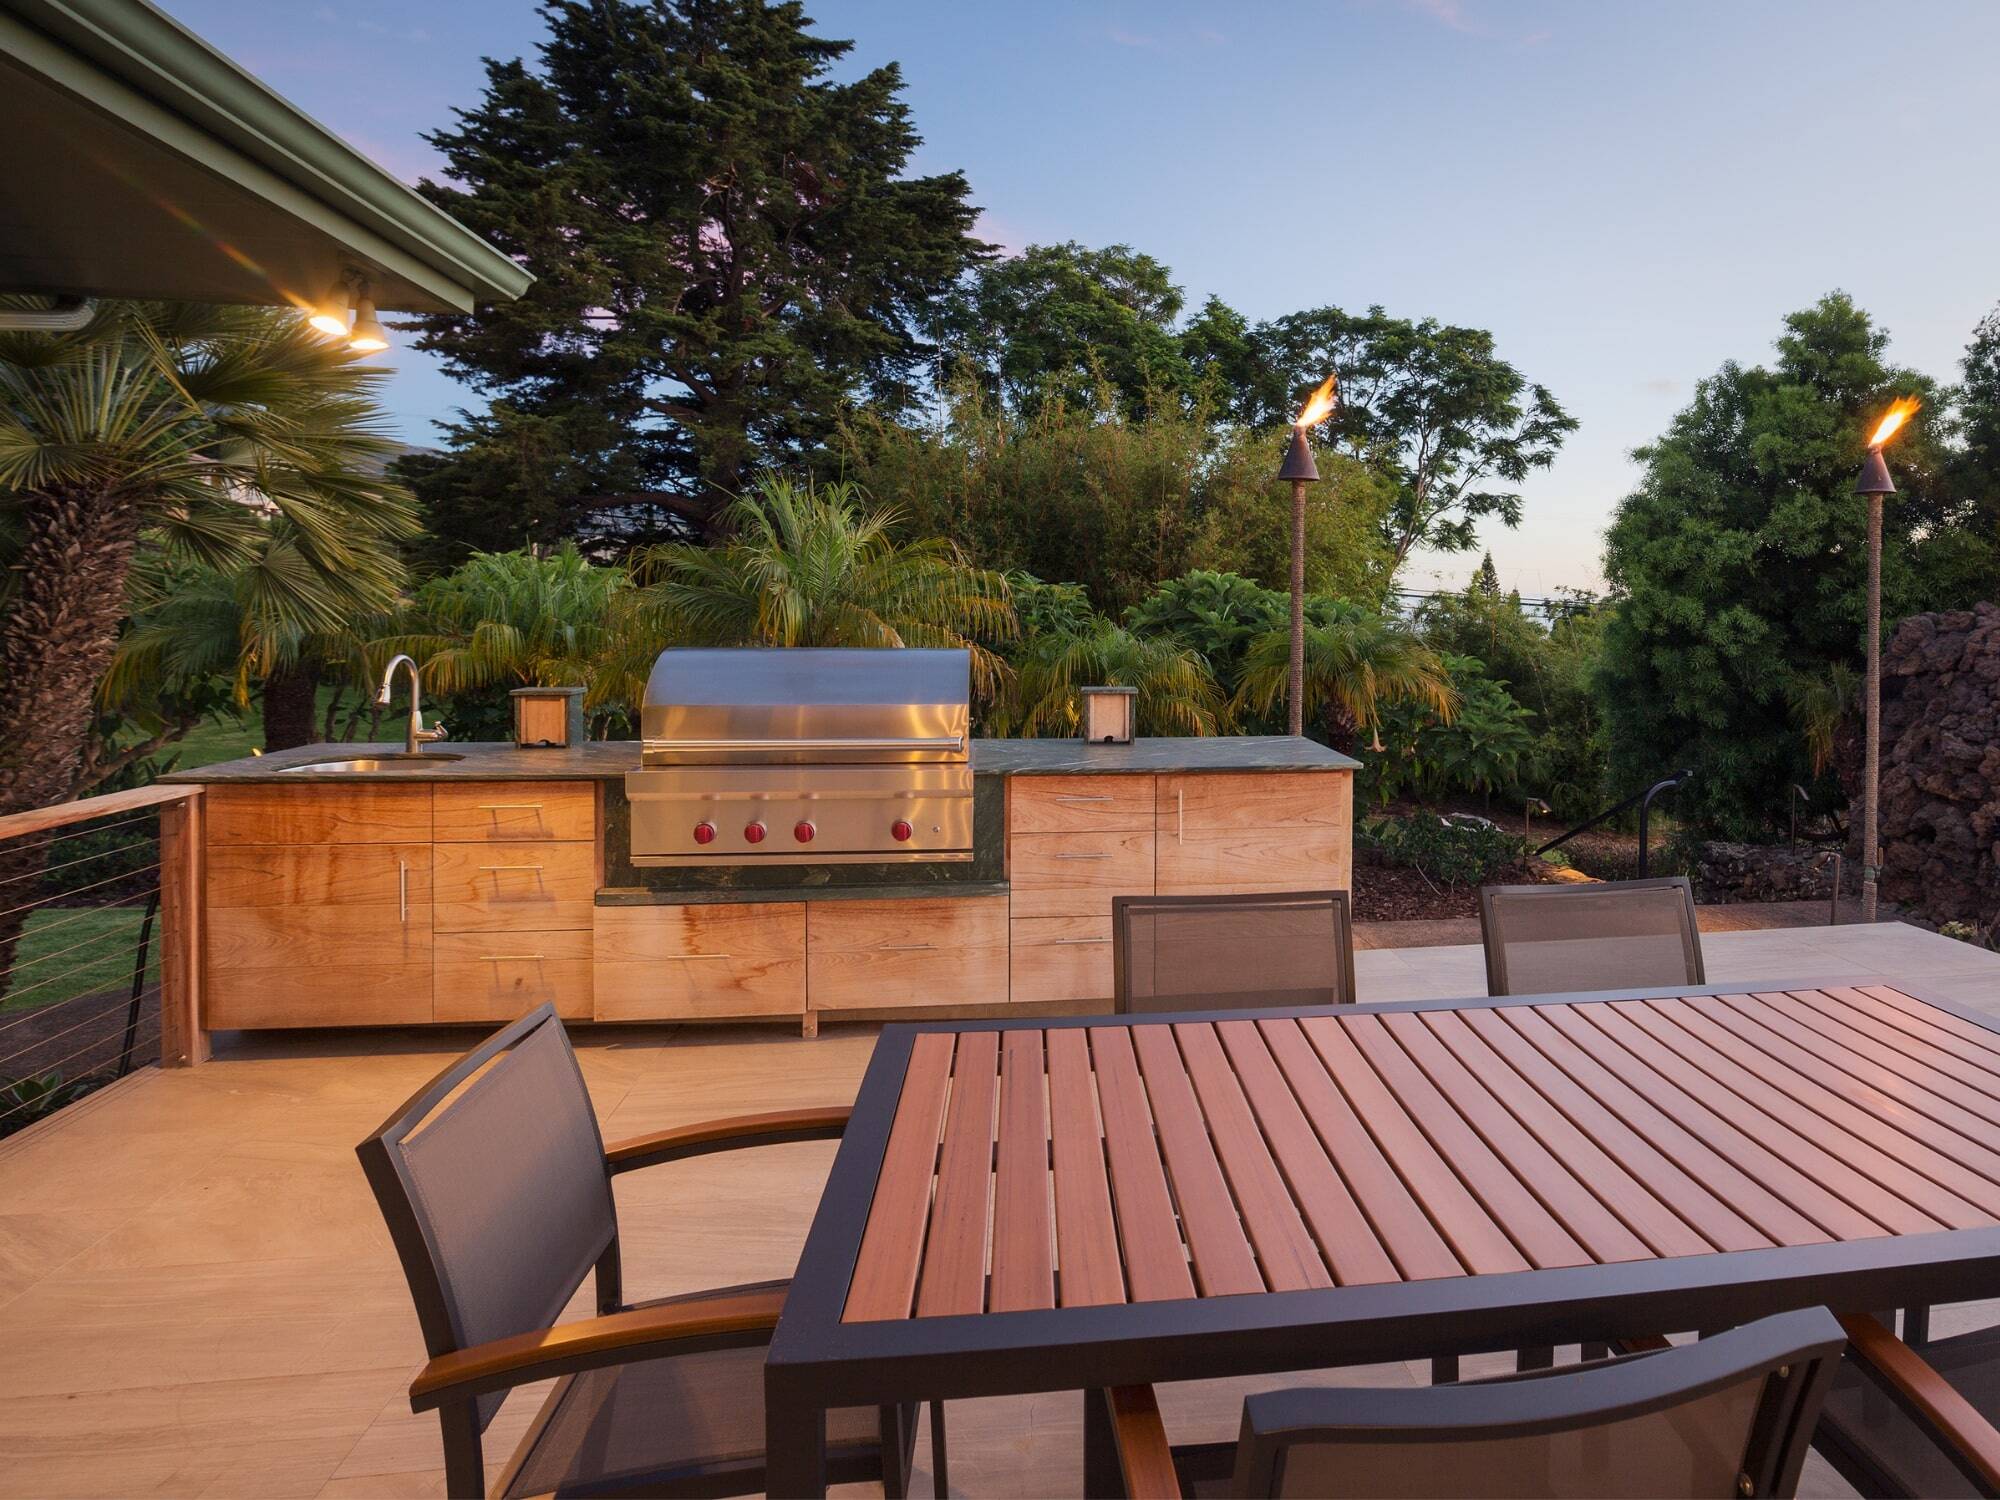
(1899, 412)
(1319, 405)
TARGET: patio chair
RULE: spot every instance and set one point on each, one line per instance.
(1226, 952)
(1729, 1416)
(496, 1186)
(1614, 934)
(1914, 1421)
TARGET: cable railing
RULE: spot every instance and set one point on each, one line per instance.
(96, 946)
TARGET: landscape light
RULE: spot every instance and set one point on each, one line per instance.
(1302, 471)
(1874, 483)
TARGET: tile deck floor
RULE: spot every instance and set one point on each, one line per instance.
(197, 1296)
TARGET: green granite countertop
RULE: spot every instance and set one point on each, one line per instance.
(610, 759)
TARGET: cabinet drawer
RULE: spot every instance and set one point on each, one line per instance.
(496, 976)
(686, 962)
(1061, 958)
(296, 993)
(1230, 834)
(863, 954)
(507, 886)
(363, 813)
(1072, 804)
(248, 876)
(1077, 874)
(483, 812)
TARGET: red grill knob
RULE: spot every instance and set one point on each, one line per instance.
(754, 833)
(803, 831)
(704, 833)
(900, 831)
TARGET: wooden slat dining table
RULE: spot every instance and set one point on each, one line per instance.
(1067, 1204)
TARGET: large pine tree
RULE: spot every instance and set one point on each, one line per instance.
(727, 255)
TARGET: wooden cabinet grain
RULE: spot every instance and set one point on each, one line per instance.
(1060, 958)
(497, 976)
(861, 955)
(1079, 804)
(519, 886)
(362, 813)
(1077, 874)
(690, 962)
(1227, 832)
(513, 811)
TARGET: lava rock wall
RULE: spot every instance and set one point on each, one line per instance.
(1940, 797)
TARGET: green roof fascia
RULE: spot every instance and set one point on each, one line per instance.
(139, 65)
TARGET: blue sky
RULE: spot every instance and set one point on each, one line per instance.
(1626, 194)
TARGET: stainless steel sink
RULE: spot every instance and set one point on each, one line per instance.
(372, 765)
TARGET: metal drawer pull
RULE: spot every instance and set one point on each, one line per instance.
(514, 958)
(1080, 797)
(1083, 856)
(691, 957)
(510, 807)
(1076, 942)
(1180, 812)
(510, 867)
(907, 947)
(403, 891)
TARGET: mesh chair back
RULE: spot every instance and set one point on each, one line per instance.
(493, 1183)
(1220, 952)
(1732, 1415)
(1551, 939)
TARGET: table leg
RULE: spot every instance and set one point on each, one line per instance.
(1102, 1477)
(794, 1443)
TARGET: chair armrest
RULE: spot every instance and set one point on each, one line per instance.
(718, 1320)
(735, 1133)
(775, 1128)
(1928, 1393)
(1145, 1457)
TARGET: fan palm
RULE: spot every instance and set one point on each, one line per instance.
(812, 565)
(1177, 690)
(514, 617)
(1356, 661)
(164, 421)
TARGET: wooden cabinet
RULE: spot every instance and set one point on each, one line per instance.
(1226, 832)
(361, 813)
(861, 955)
(477, 812)
(1077, 874)
(497, 976)
(1079, 804)
(677, 963)
(1060, 958)
(317, 934)
(531, 887)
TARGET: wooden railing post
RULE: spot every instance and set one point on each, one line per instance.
(183, 1040)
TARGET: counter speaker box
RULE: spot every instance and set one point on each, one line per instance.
(1108, 714)
(548, 718)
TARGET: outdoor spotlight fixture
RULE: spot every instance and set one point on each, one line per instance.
(329, 314)
(1874, 483)
(367, 336)
(1300, 469)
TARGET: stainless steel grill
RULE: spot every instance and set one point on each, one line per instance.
(803, 756)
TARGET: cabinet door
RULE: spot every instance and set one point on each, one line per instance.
(1077, 874)
(1060, 958)
(861, 955)
(480, 812)
(678, 963)
(499, 887)
(318, 935)
(1221, 833)
(1076, 804)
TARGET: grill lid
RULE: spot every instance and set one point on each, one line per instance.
(796, 705)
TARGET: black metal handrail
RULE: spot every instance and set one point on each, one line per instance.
(1644, 802)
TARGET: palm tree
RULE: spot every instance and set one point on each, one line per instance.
(166, 422)
(1356, 661)
(1178, 693)
(812, 565)
(272, 622)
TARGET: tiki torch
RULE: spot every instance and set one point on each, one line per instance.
(1874, 483)
(1302, 471)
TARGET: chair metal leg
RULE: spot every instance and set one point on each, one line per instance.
(1102, 1477)
(899, 1443)
(1916, 1326)
(1590, 1352)
(1540, 1357)
(941, 1485)
(1444, 1370)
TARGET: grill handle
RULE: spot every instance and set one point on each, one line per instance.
(954, 742)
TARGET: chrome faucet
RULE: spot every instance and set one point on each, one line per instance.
(417, 736)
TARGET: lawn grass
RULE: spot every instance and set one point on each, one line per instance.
(67, 951)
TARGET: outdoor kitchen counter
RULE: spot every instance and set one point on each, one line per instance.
(609, 759)
(468, 890)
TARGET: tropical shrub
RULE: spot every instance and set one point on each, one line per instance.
(1359, 666)
(1479, 749)
(1453, 850)
(1177, 690)
(1217, 615)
